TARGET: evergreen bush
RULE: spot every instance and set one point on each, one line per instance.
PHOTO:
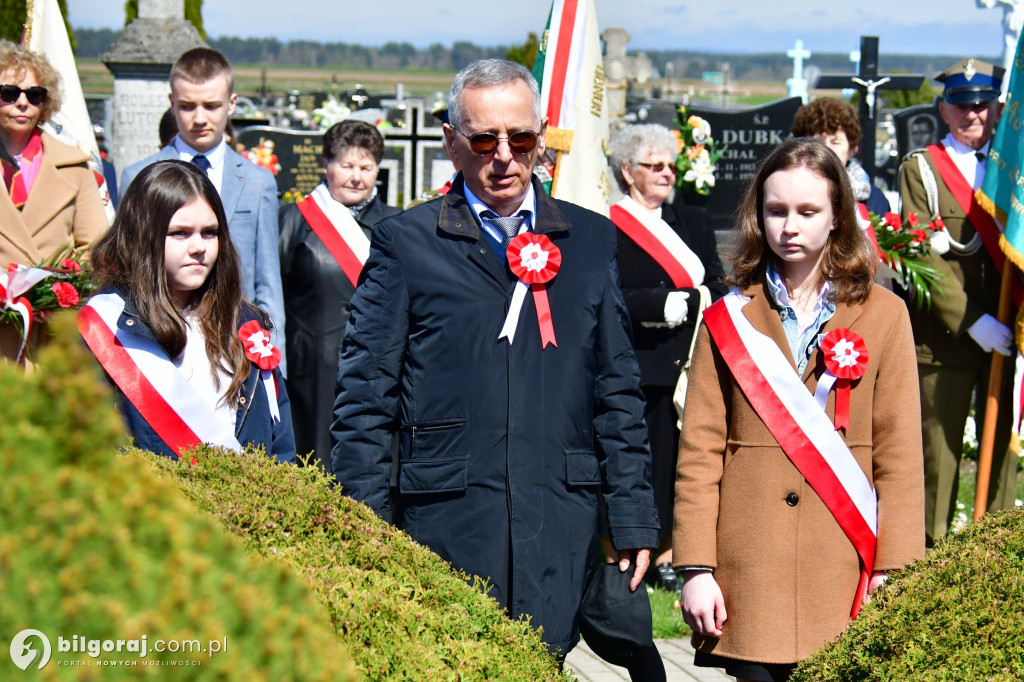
(401, 610)
(95, 545)
(958, 615)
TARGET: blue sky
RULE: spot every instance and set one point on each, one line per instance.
(907, 26)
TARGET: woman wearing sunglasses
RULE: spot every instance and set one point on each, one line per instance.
(668, 261)
(50, 203)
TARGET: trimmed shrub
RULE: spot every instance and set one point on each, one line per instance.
(97, 546)
(400, 609)
(956, 615)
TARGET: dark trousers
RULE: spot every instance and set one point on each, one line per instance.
(945, 404)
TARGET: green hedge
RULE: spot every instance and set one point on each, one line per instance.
(401, 610)
(96, 545)
(956, 615)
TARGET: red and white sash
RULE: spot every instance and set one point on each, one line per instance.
(800, 426)
(659, 241)
(145, 374)
(337, 229)
(982, 220)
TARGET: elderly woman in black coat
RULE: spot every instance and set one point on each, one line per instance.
(325, 239)
(667, 259)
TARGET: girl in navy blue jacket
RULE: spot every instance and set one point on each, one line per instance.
(191, 359)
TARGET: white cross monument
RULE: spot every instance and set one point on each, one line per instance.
(797, 85)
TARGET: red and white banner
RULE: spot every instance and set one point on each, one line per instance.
(149, 380)
(659, 241)
(570, 71)
(802, 429)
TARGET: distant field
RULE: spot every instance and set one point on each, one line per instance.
(96, 79)
(421, 82)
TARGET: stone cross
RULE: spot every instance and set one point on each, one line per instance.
(866, 81)
(1013, 21)
(797, 85)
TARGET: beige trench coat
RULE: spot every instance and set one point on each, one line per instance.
(63, 210)
(788, 573)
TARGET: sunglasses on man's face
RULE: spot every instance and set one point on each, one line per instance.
(35, 95)
(520, 142)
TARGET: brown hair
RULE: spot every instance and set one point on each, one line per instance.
(340, 136)
(201, 64)
(20, 61)
(848, 263)
(825, 116)
(130, 256)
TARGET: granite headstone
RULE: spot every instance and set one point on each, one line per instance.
(749, 134)
(918, 126)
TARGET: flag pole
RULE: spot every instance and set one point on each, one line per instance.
(26, 34)
(995, 381)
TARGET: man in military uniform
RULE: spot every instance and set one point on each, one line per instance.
(957, 334)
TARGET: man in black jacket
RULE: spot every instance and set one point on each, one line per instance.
(497, 388)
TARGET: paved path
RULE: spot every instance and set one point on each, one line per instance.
(677, 655)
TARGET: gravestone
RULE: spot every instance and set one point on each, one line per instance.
(297, 160)
(414, 157)
(749, 134)
(141, 62)
(918, 126)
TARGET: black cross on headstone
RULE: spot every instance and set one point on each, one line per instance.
(866, 81)
(412, 133)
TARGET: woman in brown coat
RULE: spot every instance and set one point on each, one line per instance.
(50, 202)
(787, 515)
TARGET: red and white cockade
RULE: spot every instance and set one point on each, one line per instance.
(535, 260)
(846, 359)
(265, 355)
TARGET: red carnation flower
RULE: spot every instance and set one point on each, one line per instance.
(919, 235)
(71, 265)
(912, 219)
(893, 221)
(66, 294)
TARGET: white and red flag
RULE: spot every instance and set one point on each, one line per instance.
(570, 71)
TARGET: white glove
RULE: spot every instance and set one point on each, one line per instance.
(992, 335)
(676, 307)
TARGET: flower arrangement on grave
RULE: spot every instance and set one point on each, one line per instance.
(28, 294)
(901, 244)
(263, 156)
(698, 153)
(330, 113)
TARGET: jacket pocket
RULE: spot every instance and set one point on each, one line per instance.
(582, 468)
(433, 475)
(434, 439)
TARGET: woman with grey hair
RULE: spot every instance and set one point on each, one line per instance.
(667, 254)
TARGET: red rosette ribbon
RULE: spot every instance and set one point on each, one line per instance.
(256, 342)
(535, 260)
(846, 358)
